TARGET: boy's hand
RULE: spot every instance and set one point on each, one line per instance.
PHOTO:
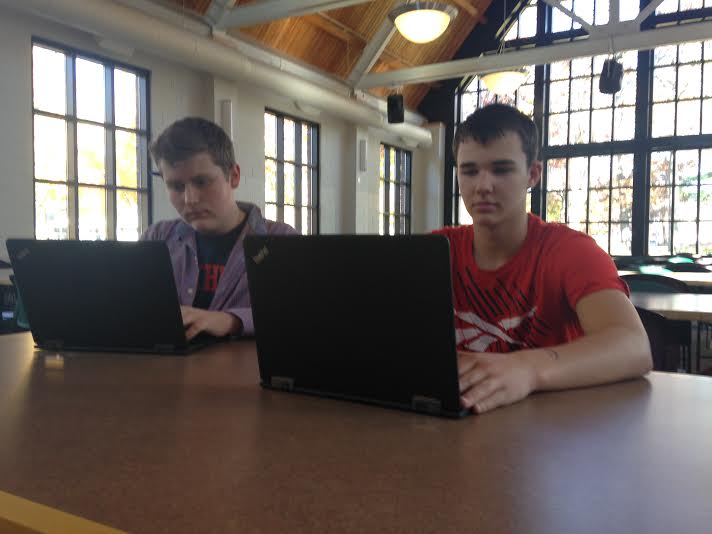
(489, 380)
(216, 323)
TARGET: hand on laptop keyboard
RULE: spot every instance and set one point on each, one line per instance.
(216, 323)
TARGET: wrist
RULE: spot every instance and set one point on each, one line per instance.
(536, 363)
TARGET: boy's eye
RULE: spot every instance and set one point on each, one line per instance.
(178, 188)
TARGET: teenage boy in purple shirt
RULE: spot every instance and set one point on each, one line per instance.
(197, 162)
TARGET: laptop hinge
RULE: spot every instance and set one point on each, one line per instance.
(282, 382)
(164, 347)
(53, 344)
(423, 404)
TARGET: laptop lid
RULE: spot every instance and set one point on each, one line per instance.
(99, 295)
(366, 318)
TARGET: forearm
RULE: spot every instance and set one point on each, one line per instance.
(613, 354)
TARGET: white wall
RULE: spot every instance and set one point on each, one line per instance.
(348, 197)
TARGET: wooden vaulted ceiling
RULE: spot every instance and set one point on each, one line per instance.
(333, 41)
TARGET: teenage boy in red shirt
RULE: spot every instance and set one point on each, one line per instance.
(538, 306)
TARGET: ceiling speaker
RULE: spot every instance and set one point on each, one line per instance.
(395, 108)
(611, 77)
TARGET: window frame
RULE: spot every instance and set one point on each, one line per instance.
(144, 186)
(279, 159)
(402, 185)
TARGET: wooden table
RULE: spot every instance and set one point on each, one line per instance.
(678, 306)
(692, 279)
(192, 444)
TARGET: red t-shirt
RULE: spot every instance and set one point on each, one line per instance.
(531, 300)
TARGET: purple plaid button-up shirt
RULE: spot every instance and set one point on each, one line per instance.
(231, 294)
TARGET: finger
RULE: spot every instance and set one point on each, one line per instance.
(480, 392)
(497, 399)
(465, 362)
(468, 380)
(193, 331)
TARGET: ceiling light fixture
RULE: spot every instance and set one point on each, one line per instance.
(422, 22)
(507, 81)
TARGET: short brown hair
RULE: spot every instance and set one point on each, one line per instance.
(494, 121)
(187, 137)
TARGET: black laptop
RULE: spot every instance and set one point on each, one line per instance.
(364, 318)
(100, 296)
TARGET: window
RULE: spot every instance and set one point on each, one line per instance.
(394, 191)
(590, 141)
(593, 195)
(91, 165)
(579, 113)
(292, 172)
(680, 202)
(682, 90)
(525, 25)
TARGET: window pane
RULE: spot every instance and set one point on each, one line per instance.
(578, 173)
(391, 197)
(289, 215)
(560, 21)
(622, 205)
(621, 238)
(690, 52)
(706, 166)
(705, 238)
(289, 140)
(127, 215)
(661, 168)
(51, 211)
(125, 98)
(270, 181)
(665, 55)
(271, 212)
(270, 135)
(689, 81)
(580, 128)
(707, 88)
(306, 229)
(305, 144)
(602, 14)
(556, 175)
(559, 70)
(685, 237)
(707, 115)
(600, 174)
(581, 93)
(92, 213)
(624, 123)
(381, 196)
(49, 80)
(91, 154)
(659, 238)
(50, 149)
(598, 205)
(558, 129)
(660, 203)
(576, 206)
(527, 22)
(627, 95)
(555, 206)
(623, 170)
(664, 84)
(706, 202)
(306, 179)
(686, 167)
(602, 122)
(600, 100)
(91, 103)
(391, 225)
(663, 120)
(289, 184)
(126, 159)
(688, 117)
(581, 67)
(559, 96)
(685, 203)
(463, 215)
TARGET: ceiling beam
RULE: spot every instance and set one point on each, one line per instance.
(268, 10)
(372, 52)
(590, 28)
(630, 40)
(647, 11)
(467, 6)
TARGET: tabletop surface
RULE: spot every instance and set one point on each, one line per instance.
(193, 444)
(693, 279)
(682, 306)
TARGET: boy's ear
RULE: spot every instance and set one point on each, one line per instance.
(234, 177)
(535, 170)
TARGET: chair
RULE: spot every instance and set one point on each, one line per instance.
(678, 333)
(656, 327)
(687, 268)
